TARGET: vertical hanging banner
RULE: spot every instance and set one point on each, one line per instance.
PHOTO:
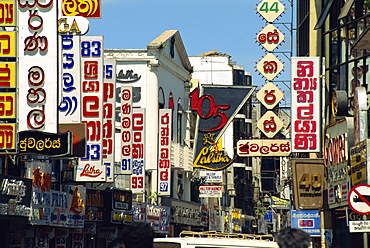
(38, 67)
(126, 130)
(70, 105)
(109, 116)
(164, 152)
(91, 168)
(138, 151)
(7, 14)
(306, 104)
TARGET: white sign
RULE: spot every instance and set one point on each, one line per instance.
(270, 9)
(270, 66)
(212, 176)
(138, 151)
(270, 37)
(359, 226)
(359, 199)
(270, 124)
(38, 67)
(306, 104)
(269, 95)
(164, 152)
(210, 191)
(91, 167)
(264, 147)
(126, 110)
(109, 116)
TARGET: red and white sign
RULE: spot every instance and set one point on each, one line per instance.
(109, 116)
(270, 124)
(269, 95)
(264, 147)
(138, 151)
(88, 9)
(359, 199)
(210, 191)
(270, 37)
(126, 130)
(306, 104)
(164, 152)
(270, 66)
(38, 67)
(91, 167)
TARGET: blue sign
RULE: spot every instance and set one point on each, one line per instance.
(268, 216)
(307, 220)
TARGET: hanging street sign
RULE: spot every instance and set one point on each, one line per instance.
(359, 199)
(263, 147)
(270, 9)
(270, 37)
(270, 66)
(270, 124)
(269, 95)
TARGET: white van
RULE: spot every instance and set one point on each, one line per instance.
(214, 239)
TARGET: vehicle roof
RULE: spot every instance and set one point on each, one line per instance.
(219, 242)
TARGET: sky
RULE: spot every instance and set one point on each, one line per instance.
(228, 26)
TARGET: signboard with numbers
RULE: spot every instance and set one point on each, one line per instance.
(270, 9)
(164, 152)
(138, 151)
(126, 130)
(308, 221)
(306, 104)
(308, 183)
(91, 168)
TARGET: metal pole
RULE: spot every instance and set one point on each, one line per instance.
(365, 235)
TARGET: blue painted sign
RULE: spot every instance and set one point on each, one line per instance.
(307, 220)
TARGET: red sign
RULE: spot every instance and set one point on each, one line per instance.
(85, 8)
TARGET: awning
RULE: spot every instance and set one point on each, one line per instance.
(363, 41)
(324, 14)
(347, 6)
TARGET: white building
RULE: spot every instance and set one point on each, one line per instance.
(160, 77)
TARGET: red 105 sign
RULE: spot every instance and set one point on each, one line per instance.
(214, 110)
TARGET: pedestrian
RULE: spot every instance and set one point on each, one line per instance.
(293, 238)
(136, 235)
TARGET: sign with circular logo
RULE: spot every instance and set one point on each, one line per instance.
(359, 199)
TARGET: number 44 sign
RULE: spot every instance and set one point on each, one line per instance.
(270, 9)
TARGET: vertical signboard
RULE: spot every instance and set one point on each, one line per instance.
(306, 104)
(109, 116)
(38, 68)
(138, 151)
(41, 197)
(126, 130)
(164, 150)
(76, 202)
(70, 105)
(91, 168)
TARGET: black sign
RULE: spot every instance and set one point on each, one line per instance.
(94, 207)
(42, 143)
(119, 199)
(216, 106)
(15, 196)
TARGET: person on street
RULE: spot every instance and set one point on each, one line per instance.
(293, 238)
(136, 235)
